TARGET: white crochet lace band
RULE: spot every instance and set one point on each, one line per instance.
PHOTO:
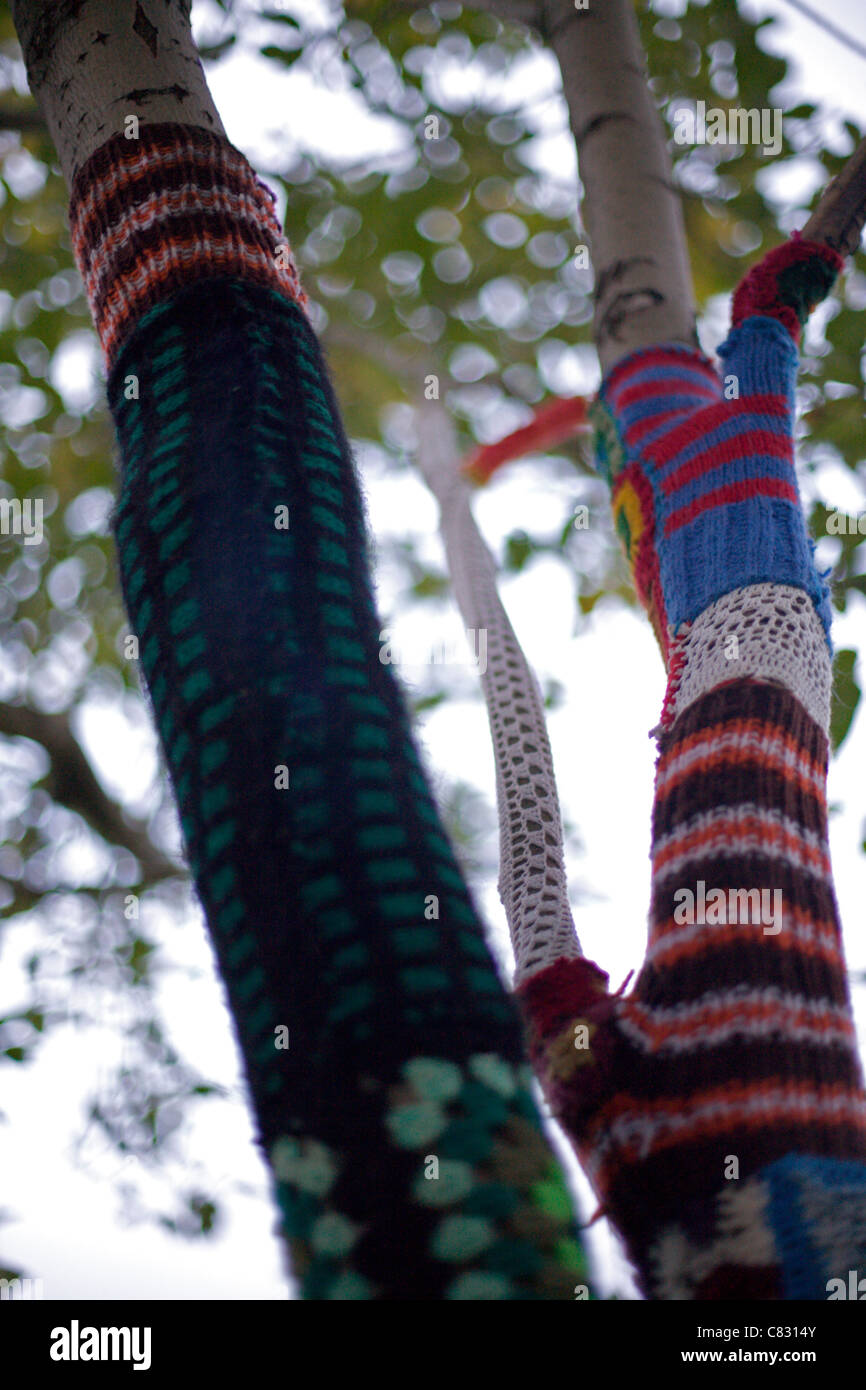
(532, 881)
(763, 632)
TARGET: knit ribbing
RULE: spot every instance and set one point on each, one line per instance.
(153, 214)
(407, 1150)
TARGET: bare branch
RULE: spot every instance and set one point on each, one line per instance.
(25, 119)
(839, 218)
(73, 784)
(394, 356)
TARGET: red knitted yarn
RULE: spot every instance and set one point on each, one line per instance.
(775, 289)
(178, 204)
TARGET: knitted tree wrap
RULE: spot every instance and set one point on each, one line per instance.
(701, 466)
(735, 1040)
(532, 879)
(407, 1151)
(787, 283)
(706, 496)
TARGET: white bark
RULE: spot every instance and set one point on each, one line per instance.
(93, 63)
(633, 216)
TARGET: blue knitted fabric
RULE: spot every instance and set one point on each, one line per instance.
(704, 489)
(701, 464)
(817, 1211)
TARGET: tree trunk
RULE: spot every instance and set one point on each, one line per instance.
(643, 290)
(725, 1138)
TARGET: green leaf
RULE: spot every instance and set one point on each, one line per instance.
(586, 602)
(286, 56)
(431, 585)
(425, 702)
(846, 696)
(518, 548)
(205, 1211)
(212, 52)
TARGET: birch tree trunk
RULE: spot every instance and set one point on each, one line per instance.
(92, 65)
(643, 291)
(719, 1187)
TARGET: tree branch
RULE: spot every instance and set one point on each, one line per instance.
(839, 218)
(73, 784)
(527, 12)
(26, 120)
(633, 215)
(393, 356)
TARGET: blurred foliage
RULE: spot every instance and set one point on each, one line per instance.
(455, 256)
(452, 255)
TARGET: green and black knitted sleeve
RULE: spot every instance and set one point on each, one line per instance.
(399, 1124)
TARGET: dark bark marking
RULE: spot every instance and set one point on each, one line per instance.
(100, 38)
(624, 306)
(142, 93)
(626, 303)
(616, 270)
(40, 40)
(595, 124)
(146, 31)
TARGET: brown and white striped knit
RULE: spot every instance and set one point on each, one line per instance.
(736, 1047)
(136, 244)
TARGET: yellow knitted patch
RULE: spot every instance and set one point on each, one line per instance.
(571, 1049)
(628, 518)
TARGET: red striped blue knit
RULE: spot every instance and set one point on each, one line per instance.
(701, 467)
